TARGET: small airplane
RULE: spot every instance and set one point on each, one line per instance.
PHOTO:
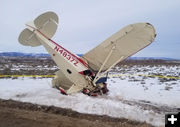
(88, 73)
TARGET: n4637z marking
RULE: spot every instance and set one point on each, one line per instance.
(65, 54)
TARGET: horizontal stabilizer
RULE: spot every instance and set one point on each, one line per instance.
(28, 38)
(47, 23)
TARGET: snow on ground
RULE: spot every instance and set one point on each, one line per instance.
(121, 89)
(151, 90)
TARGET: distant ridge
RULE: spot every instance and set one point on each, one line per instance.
(151, 58)
(20, 54)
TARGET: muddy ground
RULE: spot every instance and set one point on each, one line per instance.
(19, 114)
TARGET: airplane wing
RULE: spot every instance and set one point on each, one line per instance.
(120, 46)
(61, 81)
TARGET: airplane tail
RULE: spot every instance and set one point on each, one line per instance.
(45, 23)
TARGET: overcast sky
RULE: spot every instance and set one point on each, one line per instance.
(83, 24)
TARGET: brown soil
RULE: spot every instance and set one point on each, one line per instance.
(19, 114)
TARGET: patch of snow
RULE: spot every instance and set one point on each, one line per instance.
(39, 91)
(151, 91)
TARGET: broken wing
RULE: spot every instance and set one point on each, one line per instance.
(122, 44)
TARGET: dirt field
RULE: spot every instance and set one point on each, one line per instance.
(18, 114)
(46, 66)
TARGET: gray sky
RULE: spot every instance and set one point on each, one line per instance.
(83, 24)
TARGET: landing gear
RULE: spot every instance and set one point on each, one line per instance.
(99, 90)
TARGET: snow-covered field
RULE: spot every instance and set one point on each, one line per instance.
(130, 96)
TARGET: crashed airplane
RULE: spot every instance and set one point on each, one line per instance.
(88, 73)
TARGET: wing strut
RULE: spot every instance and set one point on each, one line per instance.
(101, 75)
(98, 75)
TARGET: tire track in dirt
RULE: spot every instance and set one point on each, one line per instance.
(19, 114)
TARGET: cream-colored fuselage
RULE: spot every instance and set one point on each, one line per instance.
(69, 64)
